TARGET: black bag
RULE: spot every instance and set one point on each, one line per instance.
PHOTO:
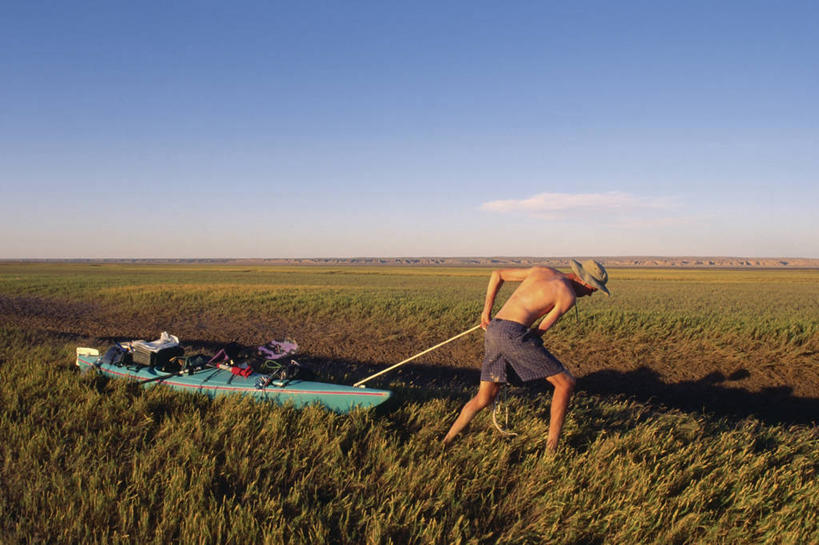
(160, 358)
(194, 363)
(116, 355)
(294, 370)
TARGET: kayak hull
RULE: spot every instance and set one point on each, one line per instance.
(219, 382)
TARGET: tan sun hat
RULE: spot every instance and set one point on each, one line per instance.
(592, 273)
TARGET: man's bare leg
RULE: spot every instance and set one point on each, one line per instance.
(487, 392)
(564, 386)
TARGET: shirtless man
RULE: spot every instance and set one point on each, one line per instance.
(543, 292)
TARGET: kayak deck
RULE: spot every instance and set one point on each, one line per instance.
(215, 382)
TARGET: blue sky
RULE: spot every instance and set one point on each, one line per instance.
(341, 129)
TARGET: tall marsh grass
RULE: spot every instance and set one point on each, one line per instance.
(89, 460)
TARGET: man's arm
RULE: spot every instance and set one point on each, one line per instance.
(561, 307)
(496, 280)
(550, 319)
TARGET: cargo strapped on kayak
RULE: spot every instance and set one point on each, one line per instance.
(224, 360)
(282, 374)
(188, 364)
(116, 355)
(275, 350)
(158, 353)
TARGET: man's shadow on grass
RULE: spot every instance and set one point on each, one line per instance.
(773, 405)
(709, 394)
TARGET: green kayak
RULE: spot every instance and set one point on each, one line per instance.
(215, 382)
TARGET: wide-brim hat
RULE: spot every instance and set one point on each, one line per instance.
(592, 273)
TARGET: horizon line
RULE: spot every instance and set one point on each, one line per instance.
(415, 257)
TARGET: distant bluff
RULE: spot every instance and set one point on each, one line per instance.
(618, 261)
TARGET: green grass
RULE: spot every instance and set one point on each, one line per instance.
(84, 459)
(745, 306)
(93, 461)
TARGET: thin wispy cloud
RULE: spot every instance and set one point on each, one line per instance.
(555, 204)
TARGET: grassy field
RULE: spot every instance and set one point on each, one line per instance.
(693, 423)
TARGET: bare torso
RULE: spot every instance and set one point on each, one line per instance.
(540, 292)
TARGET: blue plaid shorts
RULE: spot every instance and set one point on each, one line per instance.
(514, 345)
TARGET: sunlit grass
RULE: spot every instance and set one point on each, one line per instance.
(746, 305)
(88, 460)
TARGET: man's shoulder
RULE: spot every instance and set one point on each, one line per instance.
(558, 283)
(547, 273)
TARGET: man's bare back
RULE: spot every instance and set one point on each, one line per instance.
(543, 292)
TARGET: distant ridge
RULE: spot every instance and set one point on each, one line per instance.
(619, 261)
(611, 261)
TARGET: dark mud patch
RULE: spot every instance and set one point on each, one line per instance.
(769, 382)
(46, 310)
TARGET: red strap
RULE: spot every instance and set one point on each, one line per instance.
(245, 372)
